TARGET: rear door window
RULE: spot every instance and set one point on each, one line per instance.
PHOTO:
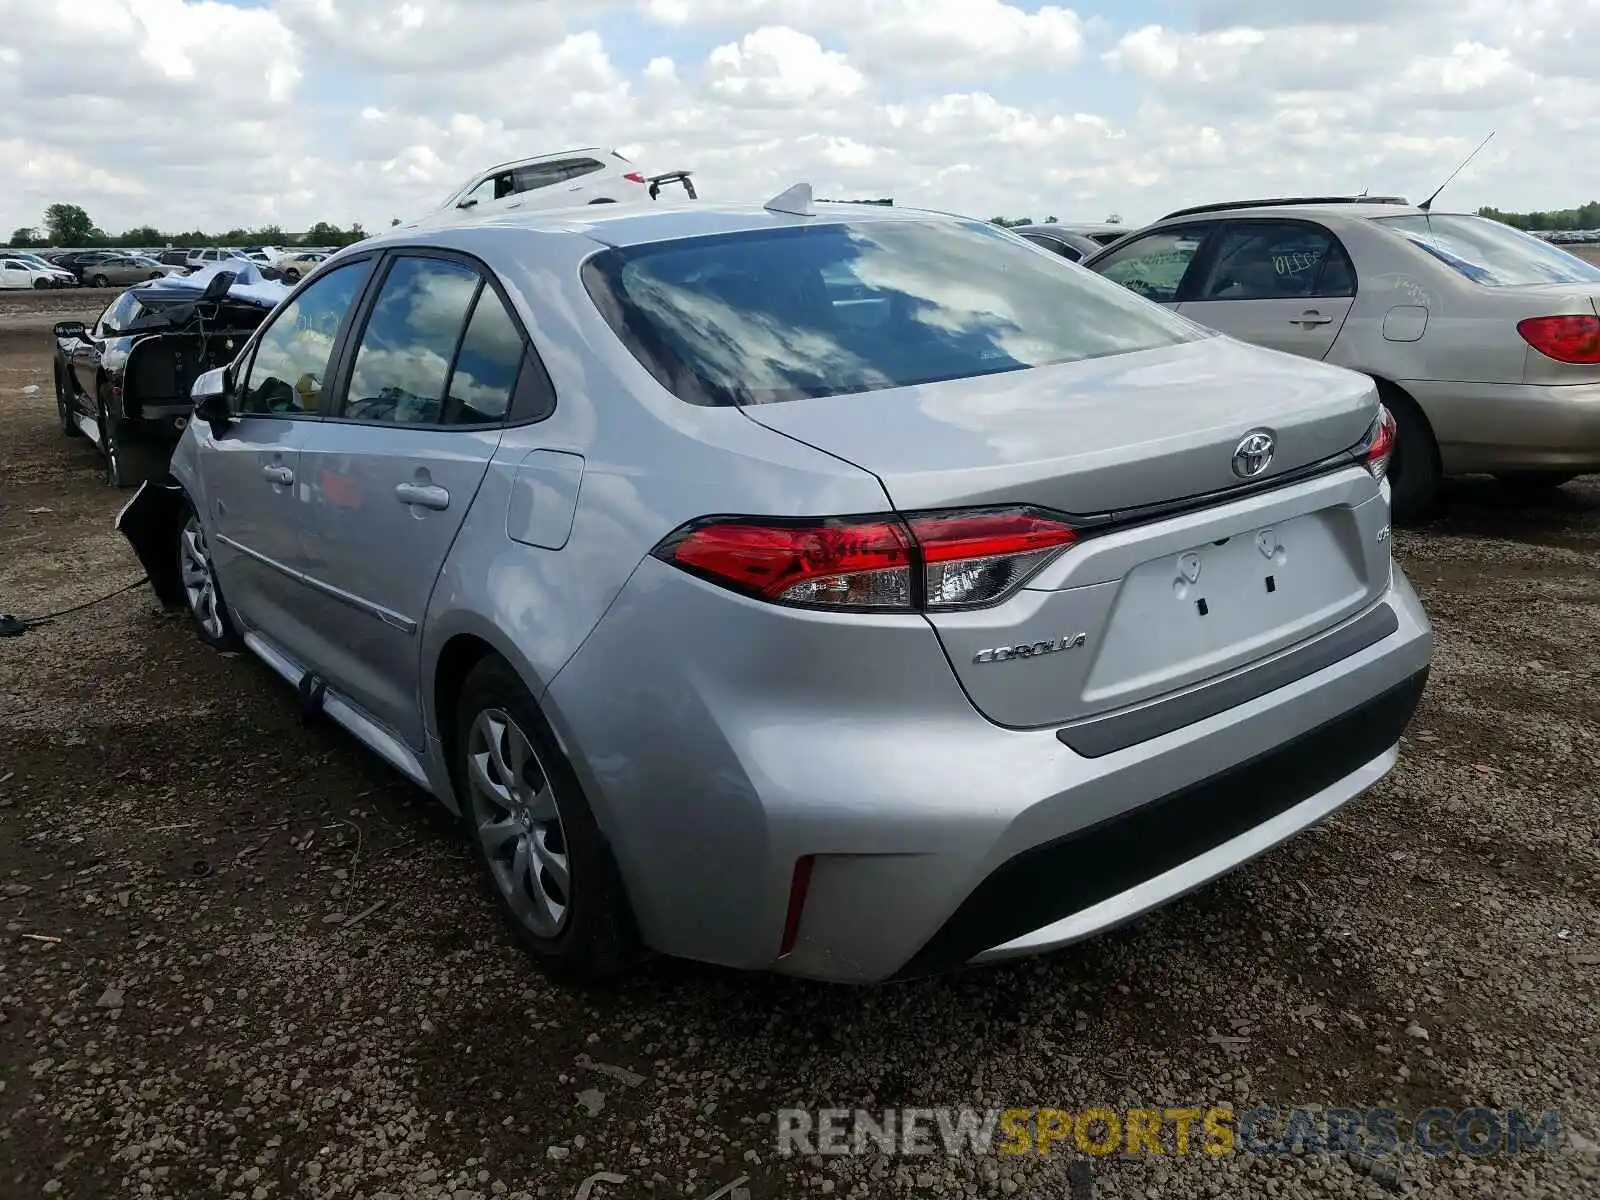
(579, 167)
(1154, 266)
(403, 361)
(535, 176)
(1276, 260)
(775, 314)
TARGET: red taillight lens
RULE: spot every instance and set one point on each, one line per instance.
(973, 558)
(1565, 339)
(934, 560)
(1380, 443)
(635, 177)
(848, 563)
(798, 886)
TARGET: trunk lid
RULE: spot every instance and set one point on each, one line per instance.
(1096, 436)
(1133, 611)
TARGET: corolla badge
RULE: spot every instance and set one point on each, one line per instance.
(1067, 641)
(1253, 453)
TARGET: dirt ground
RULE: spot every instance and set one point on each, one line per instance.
(241, 958)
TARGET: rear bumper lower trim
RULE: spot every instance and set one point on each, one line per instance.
(1046, 885)
(1117, 731)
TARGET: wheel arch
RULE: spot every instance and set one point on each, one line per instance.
(468, 642)
(1391, 393)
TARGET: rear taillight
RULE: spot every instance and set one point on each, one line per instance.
(635, 177)
(799, 885)
(1380, 443)
(846, 563)
(977, 557)
(937, 561)
(1565, 339)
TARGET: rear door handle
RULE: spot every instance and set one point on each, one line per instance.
(1309, 318)
(278, 474)
(428, 495)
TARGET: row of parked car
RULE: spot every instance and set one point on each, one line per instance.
(119, 268)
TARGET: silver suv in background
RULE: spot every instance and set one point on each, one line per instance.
(1484, 341)
(852, 592)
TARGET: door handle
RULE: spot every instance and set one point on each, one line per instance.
(278, 474)
(428, 495)
(1309, 318)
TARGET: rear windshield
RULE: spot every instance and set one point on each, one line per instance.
(1490, 253)
(820, 310)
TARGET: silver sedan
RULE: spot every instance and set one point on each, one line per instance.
(850, 593)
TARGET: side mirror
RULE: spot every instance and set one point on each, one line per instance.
(210, 395)
(467, 203)
(72, 329)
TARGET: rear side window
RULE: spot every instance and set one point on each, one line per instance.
(1277, 261)
(538, 175)
(1153, 266)
(580, 167)
(780, 314)
(1490, 253)
(403, 361)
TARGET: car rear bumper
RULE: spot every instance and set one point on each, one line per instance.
(718, 749)
(1512, 427)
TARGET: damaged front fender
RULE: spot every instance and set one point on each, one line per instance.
(151, 521)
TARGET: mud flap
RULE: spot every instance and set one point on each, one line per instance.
(150, 522)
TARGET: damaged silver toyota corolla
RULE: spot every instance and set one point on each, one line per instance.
(857, 593)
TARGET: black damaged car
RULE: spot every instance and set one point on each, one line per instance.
(123, 382)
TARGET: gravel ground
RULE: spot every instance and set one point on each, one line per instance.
(242, 959)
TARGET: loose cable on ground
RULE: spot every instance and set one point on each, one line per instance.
(14, 626)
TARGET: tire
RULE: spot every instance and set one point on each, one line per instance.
(156, 276)
(578, 927)
(292, 275)
(126, 463)
(202, 594)
(69, 427)
(99, 281)
(41, 285)
(1536, 481)
(1414, 471)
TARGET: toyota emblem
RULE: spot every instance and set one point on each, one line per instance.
(1253, 454)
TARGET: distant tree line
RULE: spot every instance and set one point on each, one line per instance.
(69, 225)
(1585, 216)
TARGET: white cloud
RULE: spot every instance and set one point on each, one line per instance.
(778, 66)
(194, 113)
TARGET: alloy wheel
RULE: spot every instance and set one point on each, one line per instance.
(199, 584)
(518, 823)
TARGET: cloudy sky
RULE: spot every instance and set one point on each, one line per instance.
(185, 113)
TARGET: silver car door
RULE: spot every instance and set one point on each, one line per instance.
(1287, 285)
(393, 470)
(250, 471)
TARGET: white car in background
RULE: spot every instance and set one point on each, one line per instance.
(561, 180)
(200, 259)
(18, 271)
